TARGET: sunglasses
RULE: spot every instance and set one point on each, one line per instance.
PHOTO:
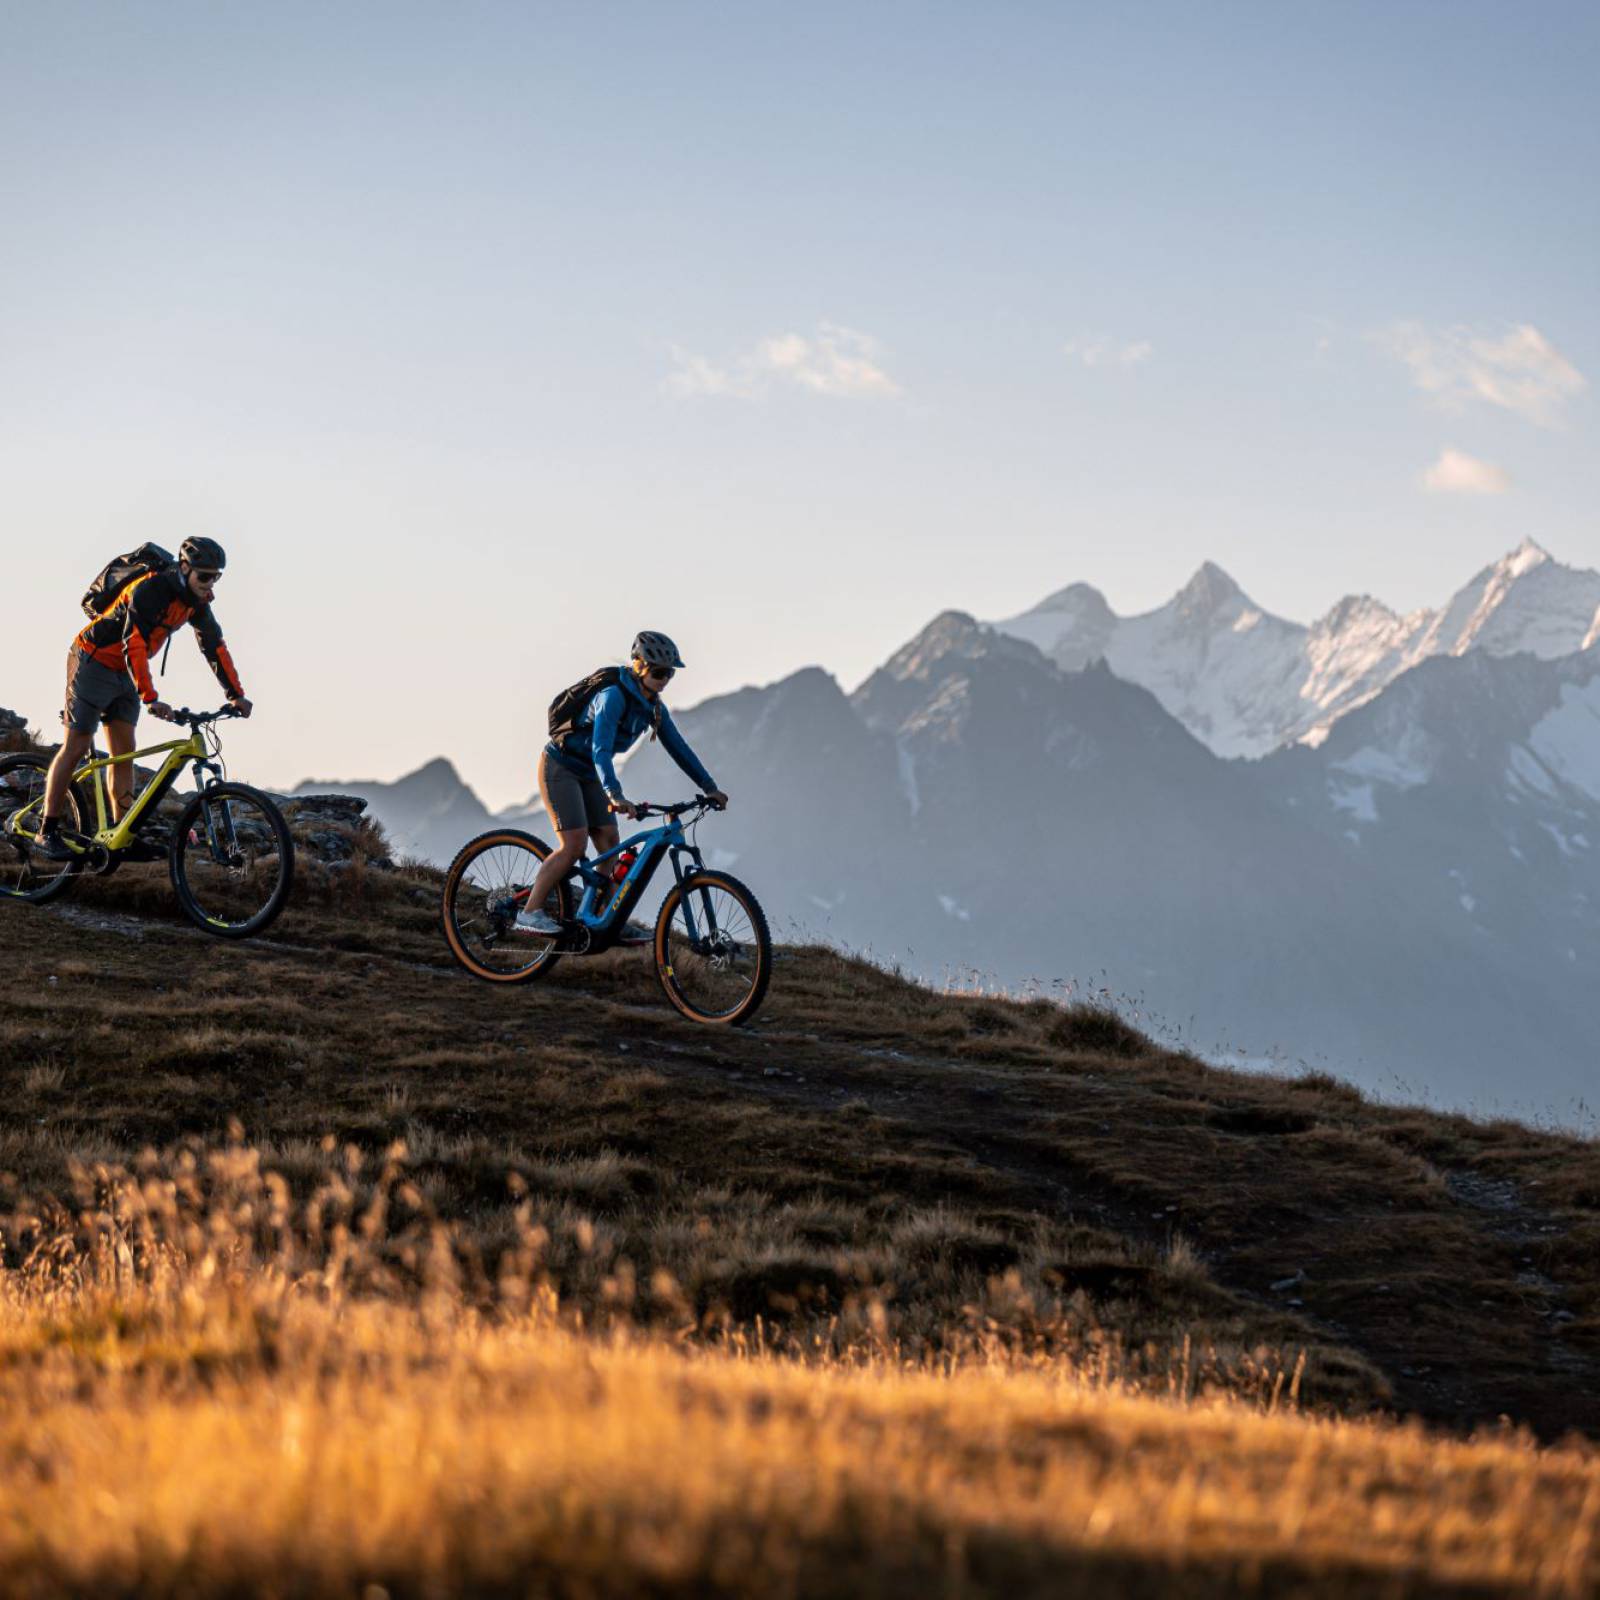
(661, 674)
(206, 577)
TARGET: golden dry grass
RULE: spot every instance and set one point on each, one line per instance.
(209, 1388)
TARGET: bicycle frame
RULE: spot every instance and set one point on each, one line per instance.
(110, 835)
(179, 752)
(654, 845)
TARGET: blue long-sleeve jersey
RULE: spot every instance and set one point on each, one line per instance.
(611, 724)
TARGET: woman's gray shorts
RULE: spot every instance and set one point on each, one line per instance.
(571, 801)
(96, 693)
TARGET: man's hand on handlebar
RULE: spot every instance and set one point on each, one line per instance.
(161, 711)
(240, 706)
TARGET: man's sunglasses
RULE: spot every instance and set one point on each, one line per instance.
(206, 577)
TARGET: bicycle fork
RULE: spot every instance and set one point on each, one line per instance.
(222, 840)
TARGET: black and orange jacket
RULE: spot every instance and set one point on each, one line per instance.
(138, 622)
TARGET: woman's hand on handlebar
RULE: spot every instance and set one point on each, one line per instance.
(628, 809)
(719, 801)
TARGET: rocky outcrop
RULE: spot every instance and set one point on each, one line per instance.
(334, 829)
(13, 730)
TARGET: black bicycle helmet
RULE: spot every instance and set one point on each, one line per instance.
(206, 554)
(656, 650)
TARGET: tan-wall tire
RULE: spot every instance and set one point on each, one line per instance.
(465, 856)
(730, 885)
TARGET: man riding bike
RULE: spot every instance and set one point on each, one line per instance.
(577, 773)
(108, 673)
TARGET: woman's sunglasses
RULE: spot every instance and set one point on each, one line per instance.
(660, 674)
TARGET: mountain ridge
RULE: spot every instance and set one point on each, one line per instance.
(1248, 682)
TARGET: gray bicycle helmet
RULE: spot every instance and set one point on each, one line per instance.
(206, 554)
(656, 650)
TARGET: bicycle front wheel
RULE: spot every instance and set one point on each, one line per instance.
(25, 874)
(713, 950)
(485, 888)
(232, 861)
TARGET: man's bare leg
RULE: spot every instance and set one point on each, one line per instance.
(74, 747)
(120, 741)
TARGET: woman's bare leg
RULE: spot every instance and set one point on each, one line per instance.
(570, 845)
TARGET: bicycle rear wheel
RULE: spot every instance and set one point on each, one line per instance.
(232, 861)
(25, 874)
(485, 888)
(713, 950)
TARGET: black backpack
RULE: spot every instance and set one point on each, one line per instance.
(569, 705)
(102, 594)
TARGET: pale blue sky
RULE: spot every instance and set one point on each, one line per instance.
(485, 334)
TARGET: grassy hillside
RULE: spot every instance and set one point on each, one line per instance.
(548, 1289)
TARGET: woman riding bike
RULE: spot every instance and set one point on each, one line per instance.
(577, 772)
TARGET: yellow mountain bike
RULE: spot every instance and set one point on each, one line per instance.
(229, 851)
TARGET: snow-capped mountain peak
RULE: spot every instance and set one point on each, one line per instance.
(1592, 637)
(1208, 592)
(1246, 682)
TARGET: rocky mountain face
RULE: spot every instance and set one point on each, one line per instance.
(1246, 682)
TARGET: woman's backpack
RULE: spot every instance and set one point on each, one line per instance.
(569, 705)
(104, 592)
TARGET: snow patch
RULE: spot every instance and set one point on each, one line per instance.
(908, 777)
(1405, 767)
(1357, 800)
(1567, 740)
(1529, 772)
(1563, 843)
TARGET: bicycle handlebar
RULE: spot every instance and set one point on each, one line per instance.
(646, 808)
(198, 719)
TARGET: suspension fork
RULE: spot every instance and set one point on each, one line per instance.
(222, 840)
(696, 936)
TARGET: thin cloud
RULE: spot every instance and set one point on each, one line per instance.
(836, 361)
(697, 376)
(1458, 473)
(1519, 370)
(1101, 350)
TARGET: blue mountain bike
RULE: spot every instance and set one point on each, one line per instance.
(713, 952)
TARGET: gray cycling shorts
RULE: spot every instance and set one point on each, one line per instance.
(571, 801)
(96, 693)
